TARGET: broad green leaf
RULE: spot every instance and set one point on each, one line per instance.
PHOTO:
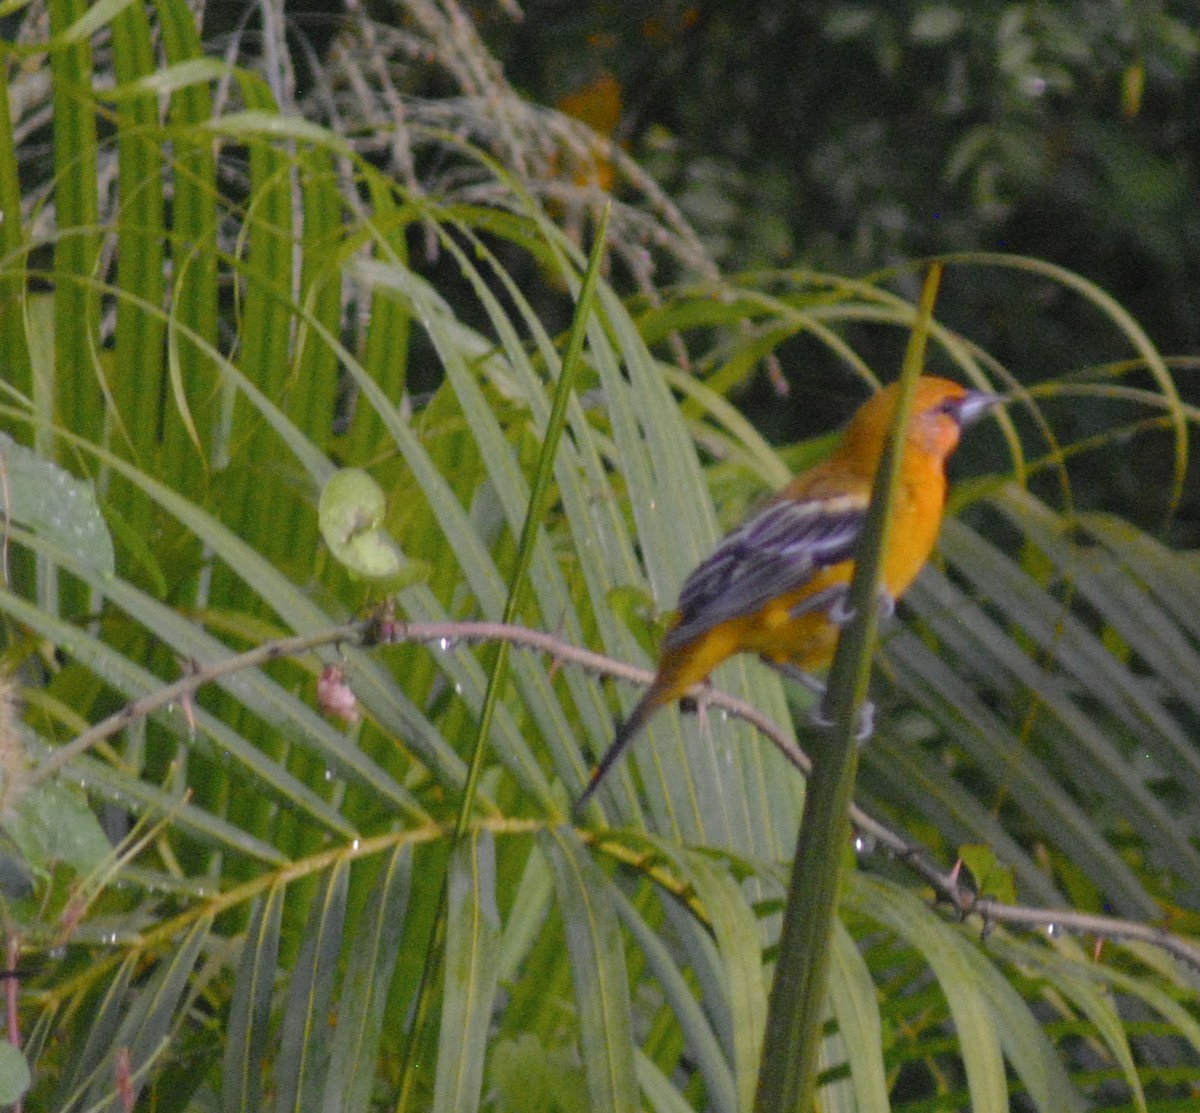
(14, 1074)
(351, 511)
(54, 505)
(52, 823)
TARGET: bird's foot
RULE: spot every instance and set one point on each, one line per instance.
(695, 703)
(840, 612)
(862, 731)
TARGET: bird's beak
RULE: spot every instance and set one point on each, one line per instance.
(975, 404)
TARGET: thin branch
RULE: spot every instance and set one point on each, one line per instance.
(948, 890)
(384, 631)
(186, 686)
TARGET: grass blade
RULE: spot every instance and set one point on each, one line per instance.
(250, 1007)
(472, 966)
(598, 972)
(306, 1039)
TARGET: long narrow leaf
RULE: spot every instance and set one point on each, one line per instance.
(598, 971)
(856, 1010)
(470, 980)
(797, 1003)
(143, 1033)
(703, 1048)
(305, 1041)
(250, 1007)
(988, 1014)
(374, 949)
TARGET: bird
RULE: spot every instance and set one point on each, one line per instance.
(776, 585)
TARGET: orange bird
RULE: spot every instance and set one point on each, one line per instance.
(777, 585)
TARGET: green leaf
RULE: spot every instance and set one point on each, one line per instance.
(702, 1046)
(14, 1074)
(351, 513)
(97, 16)
(266, 124)
(171, 79)
(374, 949)
(16, 879)
(250, 1007)
(52, 823)
(55, 505)
(991, 1020)
(992, 878)
(105, 1015)
(743, 980)
(661, 1095)
(144, 1033)
(471, 967)
(306, 1038)
(598, 971)
(853, 999)
(525, 1075)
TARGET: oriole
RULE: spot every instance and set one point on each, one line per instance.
(776, 585)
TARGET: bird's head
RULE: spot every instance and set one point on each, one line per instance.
(940, 411)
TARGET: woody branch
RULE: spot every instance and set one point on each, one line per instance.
(367, 633)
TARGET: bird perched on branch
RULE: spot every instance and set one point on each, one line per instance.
(777, 585)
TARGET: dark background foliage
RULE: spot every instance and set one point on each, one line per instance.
(855, 137)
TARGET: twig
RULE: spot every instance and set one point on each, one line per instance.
(12, 992)
(376, 631)
(187, 686)
(965, 903)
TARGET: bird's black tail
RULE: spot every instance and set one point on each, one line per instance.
(626, 732)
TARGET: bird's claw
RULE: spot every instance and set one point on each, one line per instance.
(887, 603)
(862, 731)
(840, 612)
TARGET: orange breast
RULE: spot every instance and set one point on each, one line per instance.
(809, 640)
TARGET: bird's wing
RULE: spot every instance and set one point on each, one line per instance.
(772, 553)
